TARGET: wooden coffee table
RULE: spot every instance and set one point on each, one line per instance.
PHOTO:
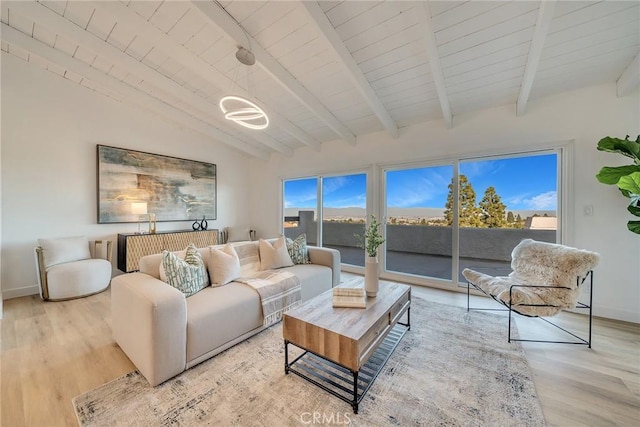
(346, 348)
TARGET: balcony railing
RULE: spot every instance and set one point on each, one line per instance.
(421, 249)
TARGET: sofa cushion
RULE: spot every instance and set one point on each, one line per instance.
(224, 265)
(298, 249)
(188, 275)
(218, 315)
(274, 255)
(314, 279)
(66, 249)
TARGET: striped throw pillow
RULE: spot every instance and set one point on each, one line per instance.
(188, 275)
(298, 250)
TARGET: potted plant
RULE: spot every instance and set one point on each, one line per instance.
(627, 177)
(370, 242)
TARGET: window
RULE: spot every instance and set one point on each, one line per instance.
(435, 229)
(418, 240)
(341, 205)
(502, 201)
(438, 218)
(300, 204)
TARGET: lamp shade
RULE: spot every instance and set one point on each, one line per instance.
(139, 208)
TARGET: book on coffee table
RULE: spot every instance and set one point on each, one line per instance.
(349, 297)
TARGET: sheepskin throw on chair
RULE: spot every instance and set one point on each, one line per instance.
(551, 271)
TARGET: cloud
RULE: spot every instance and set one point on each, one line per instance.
(417, 188)
(355, 201)
(544, 201)
(301, 200)
(334, 183)
(481, 168)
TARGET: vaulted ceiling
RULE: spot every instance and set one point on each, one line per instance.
(330, 69)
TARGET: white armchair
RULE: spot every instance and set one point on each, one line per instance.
(546, 279)
(72, 267)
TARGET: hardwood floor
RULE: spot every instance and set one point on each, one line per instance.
(52, 352)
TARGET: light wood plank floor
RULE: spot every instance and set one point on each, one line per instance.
(52, 352)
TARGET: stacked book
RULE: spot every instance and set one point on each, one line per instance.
(349, 297)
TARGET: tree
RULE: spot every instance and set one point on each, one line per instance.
(468, 212)
(493, 209)
(510, 218)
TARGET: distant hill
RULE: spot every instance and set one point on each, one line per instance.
(401, 212)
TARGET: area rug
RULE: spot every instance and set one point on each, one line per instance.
(452, 368)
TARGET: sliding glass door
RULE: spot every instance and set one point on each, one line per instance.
(340, 201)
(470, 213)
(419, 240)
(344, 209)
(503, 200)
(300, 198)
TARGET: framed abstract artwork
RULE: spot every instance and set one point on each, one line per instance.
(131, 183)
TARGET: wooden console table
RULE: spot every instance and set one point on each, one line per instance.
(132, 247)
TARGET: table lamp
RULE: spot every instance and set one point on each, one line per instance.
(140, 209)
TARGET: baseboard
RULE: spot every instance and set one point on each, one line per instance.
(616, 314)
(20, 292)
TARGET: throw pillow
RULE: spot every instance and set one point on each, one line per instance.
(224, 265)
(298, 250)
(274, 255)
(238, 234)
(67, 249)
(188, 275)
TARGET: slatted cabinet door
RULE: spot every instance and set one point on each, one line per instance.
(132, 247)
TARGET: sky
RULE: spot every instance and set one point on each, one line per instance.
(523, 183)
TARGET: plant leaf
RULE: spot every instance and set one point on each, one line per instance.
(635, 210)
(630, 183)
(611, 174)
(625, 147)
(634, 226)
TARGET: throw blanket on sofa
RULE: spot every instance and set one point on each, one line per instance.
(279, 292)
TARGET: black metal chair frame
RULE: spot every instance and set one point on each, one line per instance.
(513, 308)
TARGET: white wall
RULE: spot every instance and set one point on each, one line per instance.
(1, 305)
(583, 116)
(50, 129)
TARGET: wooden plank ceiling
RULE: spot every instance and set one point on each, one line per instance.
(326, 70)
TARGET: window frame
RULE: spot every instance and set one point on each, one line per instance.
(376, 200)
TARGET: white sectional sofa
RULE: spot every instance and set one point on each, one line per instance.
(163, 332)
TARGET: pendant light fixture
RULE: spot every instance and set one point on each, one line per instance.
(238, 108)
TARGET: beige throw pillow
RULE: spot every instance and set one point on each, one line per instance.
(274, 255)
(238, 234)
(224, 265)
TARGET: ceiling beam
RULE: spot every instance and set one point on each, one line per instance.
(353, 70)
(424, 14)
(219, 17)
(545, 15)
(629, 80)
(132, 95)
(60, 25)
(128, 17)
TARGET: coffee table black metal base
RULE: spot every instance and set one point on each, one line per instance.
(348, 385)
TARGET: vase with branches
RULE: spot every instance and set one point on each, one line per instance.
(372, 238)
(370, 241)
